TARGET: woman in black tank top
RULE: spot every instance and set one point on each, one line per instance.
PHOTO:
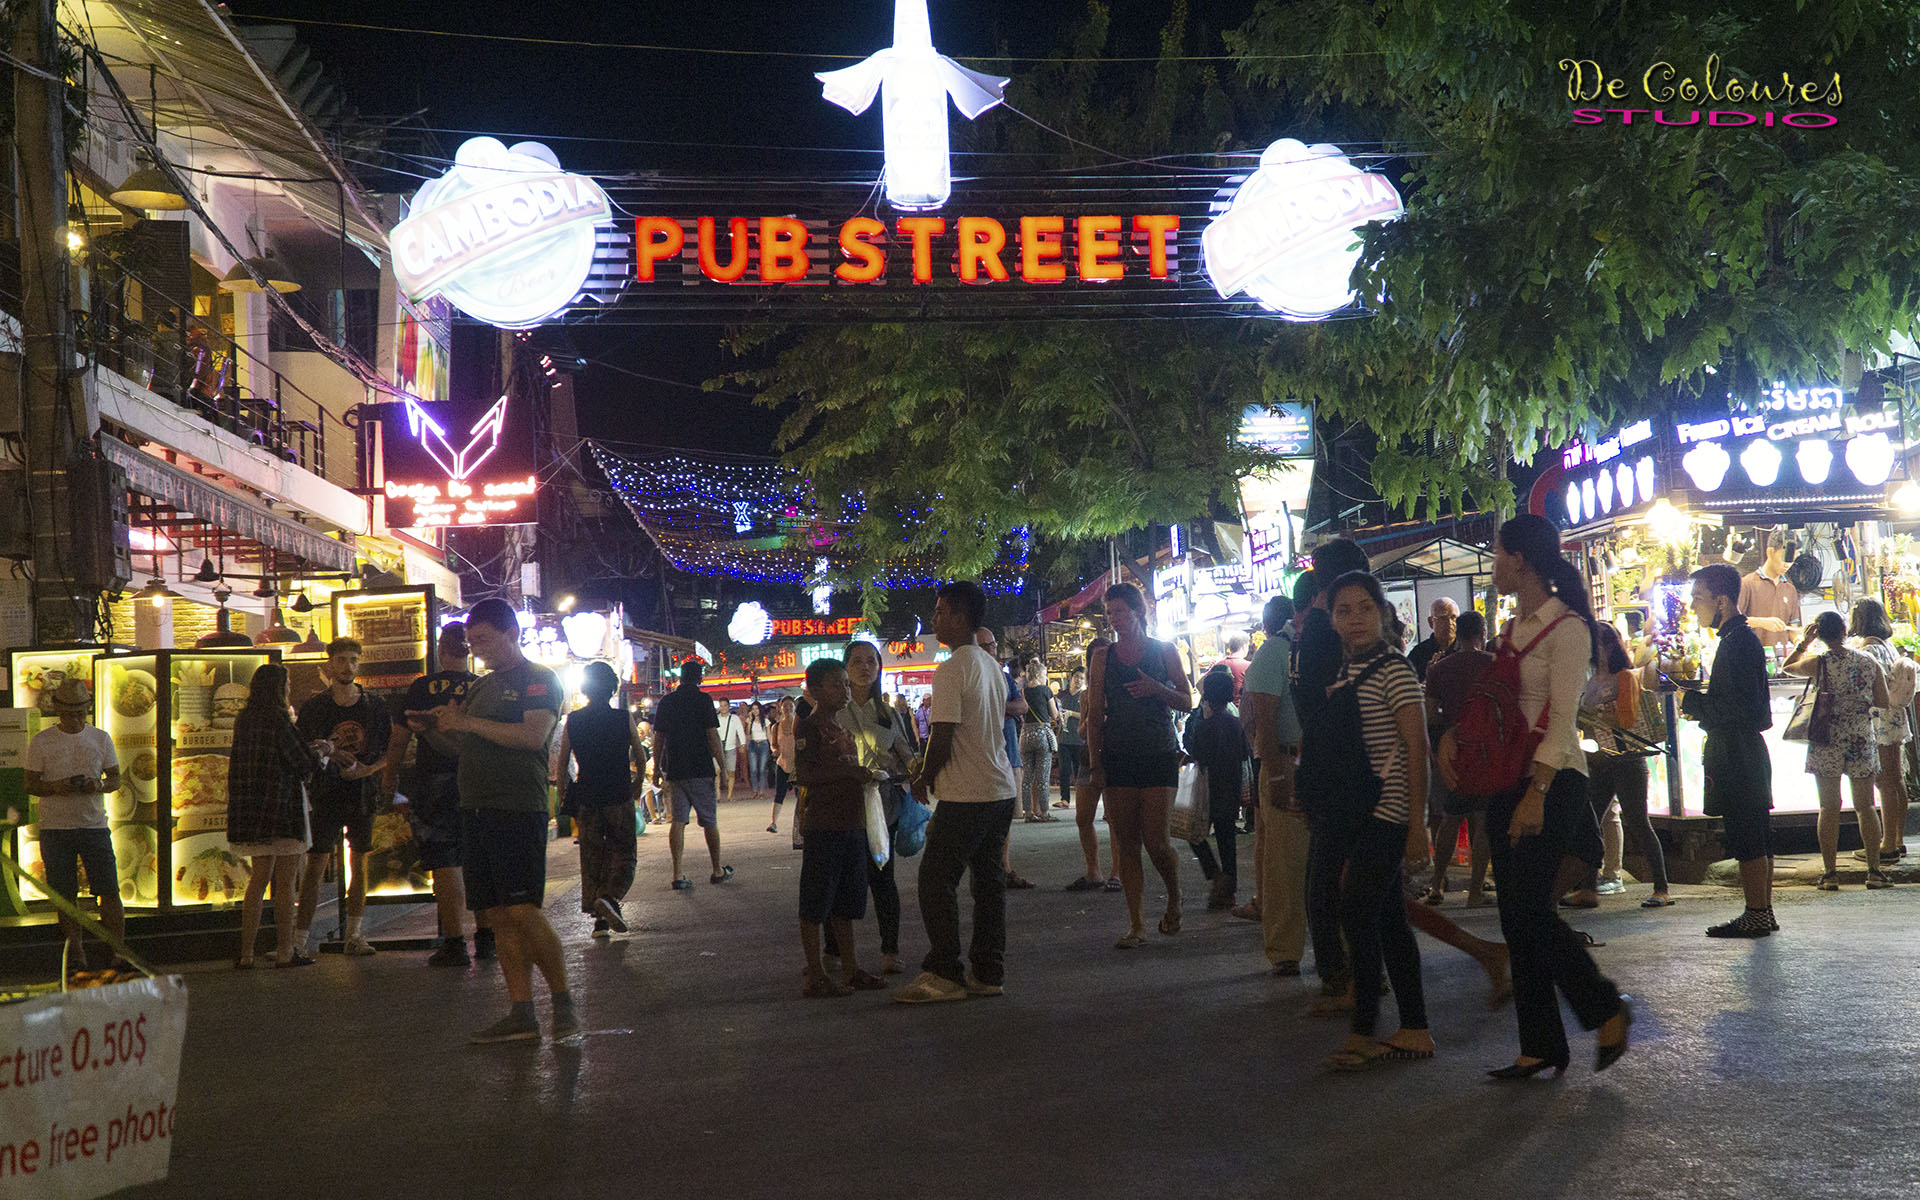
(1133, 686)
(600, 741)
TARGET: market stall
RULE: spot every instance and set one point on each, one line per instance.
(1793, 488)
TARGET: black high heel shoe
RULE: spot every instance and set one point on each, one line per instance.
(1528, 1070)
(1606, 1056)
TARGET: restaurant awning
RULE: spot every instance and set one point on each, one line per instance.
(226, 510)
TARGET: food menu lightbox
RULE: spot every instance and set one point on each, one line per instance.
(392, 626)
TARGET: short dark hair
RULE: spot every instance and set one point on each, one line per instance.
(1719, 579)
(343, 645)
(1126, 594)
(1305, 589)
(693, 671)
(820, 668)
(495, 614)
(599, 679)
(453, 632)
(967, 597)
(1471, 627)
(1216, 688)
(1829, 628)
(1276, 615)
(1339, 556)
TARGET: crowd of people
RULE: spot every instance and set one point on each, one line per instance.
(1360, 764)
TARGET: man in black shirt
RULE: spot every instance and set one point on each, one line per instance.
(1317, 660)
(359, 728)
(687, 754)
(1441, 618)
(429, 796)
(1733, 710)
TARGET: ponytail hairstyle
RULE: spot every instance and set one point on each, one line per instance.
(1533, 540)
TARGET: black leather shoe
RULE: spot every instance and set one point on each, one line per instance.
(1606, 1056)
(1528, 1070)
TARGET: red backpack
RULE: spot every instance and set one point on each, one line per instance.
(1492, 745)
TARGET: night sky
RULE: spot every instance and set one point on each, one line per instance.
(622, 110)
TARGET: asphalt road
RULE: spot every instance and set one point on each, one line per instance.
(1776, 1068)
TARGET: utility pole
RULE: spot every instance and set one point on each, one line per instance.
(55, 421)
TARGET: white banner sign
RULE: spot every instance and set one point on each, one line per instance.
(87, 1086)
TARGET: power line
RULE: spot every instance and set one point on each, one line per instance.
(577, 43)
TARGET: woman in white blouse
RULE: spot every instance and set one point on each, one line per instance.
(1545, 818)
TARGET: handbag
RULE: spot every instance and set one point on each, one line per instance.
(1798, 724)
(1820, 721)
(1191, 818)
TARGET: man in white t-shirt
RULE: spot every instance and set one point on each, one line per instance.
(71, 767)
(966, 769)
(733, 739)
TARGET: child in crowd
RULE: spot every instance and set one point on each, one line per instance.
(832, 818)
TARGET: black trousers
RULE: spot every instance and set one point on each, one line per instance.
(963, 838)
(1546, 953)
(1624, 777)
(1373, 915)
(1326, 858)
(1069, 761)
(1226, 834)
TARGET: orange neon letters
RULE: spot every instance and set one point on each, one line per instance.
(923, 230)
(1095, 250)
(866, 262)
(981, 241)
(648, 250)
(1040, 249)
(1156, 228)
(783, 250)
(739, 256)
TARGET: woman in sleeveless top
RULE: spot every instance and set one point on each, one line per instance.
(1037, 740)
(1132, 689)
(1892, 727)
(600, 742)
(1857, 686)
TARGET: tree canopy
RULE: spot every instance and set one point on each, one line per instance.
(1549, 274)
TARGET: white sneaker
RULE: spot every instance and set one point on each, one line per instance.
(359, 947)
(928, 988)
(1611, 887)
(976, 988)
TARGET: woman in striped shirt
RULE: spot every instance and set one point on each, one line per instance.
(1380, 819)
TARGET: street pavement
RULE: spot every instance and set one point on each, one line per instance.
(1776, 1068)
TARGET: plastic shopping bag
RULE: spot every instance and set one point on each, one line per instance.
(876, 826)
(1191, 818)
(911, 834)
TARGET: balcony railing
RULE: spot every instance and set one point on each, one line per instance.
(188, 361)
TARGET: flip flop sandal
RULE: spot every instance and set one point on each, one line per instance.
(1356, 1060)
(1083, 884)
(724, 874)
(1403, 1054)
(1588, 939)
(823, 988)
(1170, 924)
(1132, 941)
(1113, 883)
(865, 981)
(1657, 902)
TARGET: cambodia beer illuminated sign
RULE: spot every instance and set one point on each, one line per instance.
(505, 235)
(445, 468)
(1289, 236)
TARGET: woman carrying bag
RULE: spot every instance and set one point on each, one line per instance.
(267, 812)
(1542, 818)
(1626, 725)
(1848, 685)
(1038, 742)
(1216, 741)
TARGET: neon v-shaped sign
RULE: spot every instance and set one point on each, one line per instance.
(482, 440)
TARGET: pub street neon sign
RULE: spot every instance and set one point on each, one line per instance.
(914, 81)
(776, 250)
